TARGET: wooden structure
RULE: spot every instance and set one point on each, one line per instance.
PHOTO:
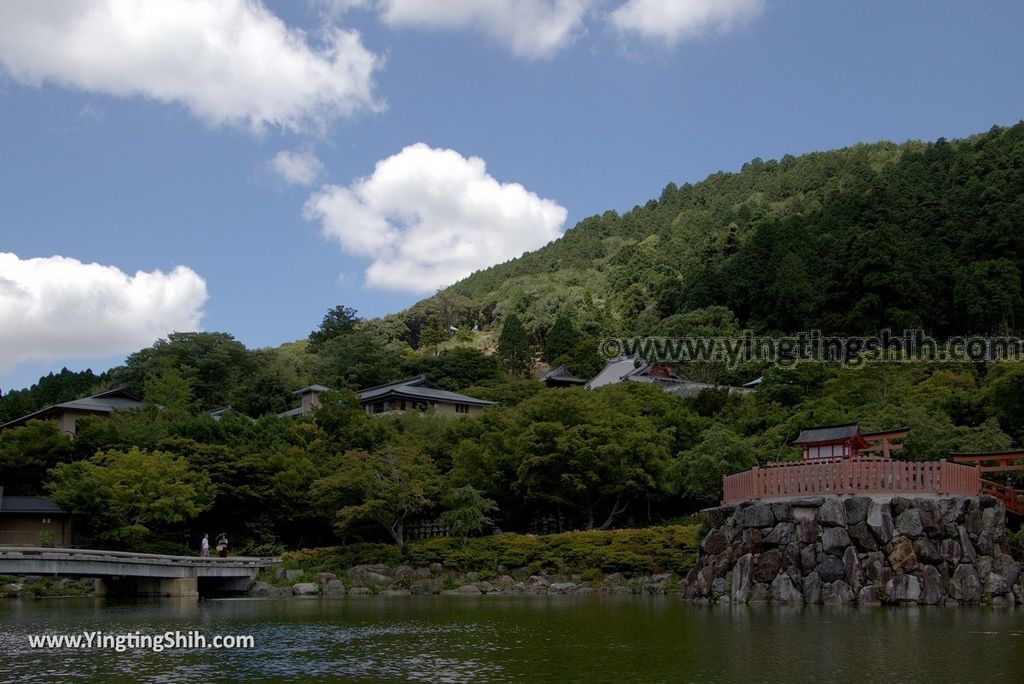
(997, 462)
(849, 476)
(417, 394)
(561, 377)
(33, 521)
(846, 441)
(68, 413)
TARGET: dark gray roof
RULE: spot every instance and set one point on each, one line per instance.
(827, 433)
(562, 374)
(118, 399)
(418, 389)
(312, 389)
(27, 504)
(291, 413)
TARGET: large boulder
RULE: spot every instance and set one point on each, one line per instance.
(931, 517)
(932, 594)
(264, 590)
(969, 555)
(868, 596)
(715, 542)
(334, 587)
(322, 578)
(861, 535)
(952, 509)
(909, 523)
(856, 509)
(965, 585)
(780, 535)
(812, 588)
(758, 515)
(837, 593)
(926, 551)
(854, 573)
(831, 569)
(832, 512)
(306, 589)
(767, 565)
(903, 589)
(902, 558)
(376, 574)
(880, 521)
(1006, 566)
(784, 590)
(741, 578)
(949, 551)
(835, 541)
(806, 531)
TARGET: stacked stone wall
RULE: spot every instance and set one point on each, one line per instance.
(835, 550)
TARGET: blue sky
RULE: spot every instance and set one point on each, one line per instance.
(415, 140)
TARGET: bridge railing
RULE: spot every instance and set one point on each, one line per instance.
(132, 557)
(858, 475)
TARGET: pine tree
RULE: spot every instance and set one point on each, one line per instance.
(513, 345)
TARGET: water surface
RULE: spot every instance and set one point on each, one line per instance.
(521, 639)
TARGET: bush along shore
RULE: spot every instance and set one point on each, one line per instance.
(932, 551)
(651, 560)
(45, 587)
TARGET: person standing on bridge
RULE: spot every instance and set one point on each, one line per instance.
(204, 546)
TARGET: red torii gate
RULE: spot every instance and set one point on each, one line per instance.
(997, 462)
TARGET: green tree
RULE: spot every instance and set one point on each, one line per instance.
(384, 487)
(169, 389)
(514, 346)
(338, 321)
(27, 452)
(467, 511)
(126, 496)
(721, 451)
(560, 339)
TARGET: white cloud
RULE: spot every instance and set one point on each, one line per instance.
(428, 217)
(57, 307)
(530, 28)
(297, 167)
(226, 61)
(673, 20)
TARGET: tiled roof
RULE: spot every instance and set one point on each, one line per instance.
(417, 388)
(562, 374)
(827, 433)
(27, 504)
(105, 402)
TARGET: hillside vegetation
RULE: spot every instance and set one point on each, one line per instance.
(925, 235)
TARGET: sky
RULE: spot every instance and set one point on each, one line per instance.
(243, 166)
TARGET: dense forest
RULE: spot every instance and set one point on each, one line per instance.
(915, 235)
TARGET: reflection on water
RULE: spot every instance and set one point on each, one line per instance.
(499, 639)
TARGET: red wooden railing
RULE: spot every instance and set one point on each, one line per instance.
(857, 475)
(1013, 499)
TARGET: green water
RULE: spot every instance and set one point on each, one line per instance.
(521, 639)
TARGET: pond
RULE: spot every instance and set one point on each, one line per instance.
(516, 639)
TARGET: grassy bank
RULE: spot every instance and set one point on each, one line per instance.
(671, 548)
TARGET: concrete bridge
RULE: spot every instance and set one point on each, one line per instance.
(138, 574)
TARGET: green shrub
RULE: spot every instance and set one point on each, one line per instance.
(643, 551)
(337, 559)
(669, 548)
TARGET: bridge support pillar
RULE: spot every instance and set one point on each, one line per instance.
(182, 587)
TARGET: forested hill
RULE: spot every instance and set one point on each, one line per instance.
(927, 235)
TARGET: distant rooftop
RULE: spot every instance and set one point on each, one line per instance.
(417, 388)
(105, 402)
(826, 433)
(27, 504)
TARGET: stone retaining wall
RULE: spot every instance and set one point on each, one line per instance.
(933, 551)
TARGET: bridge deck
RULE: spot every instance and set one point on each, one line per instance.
(100, 563)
